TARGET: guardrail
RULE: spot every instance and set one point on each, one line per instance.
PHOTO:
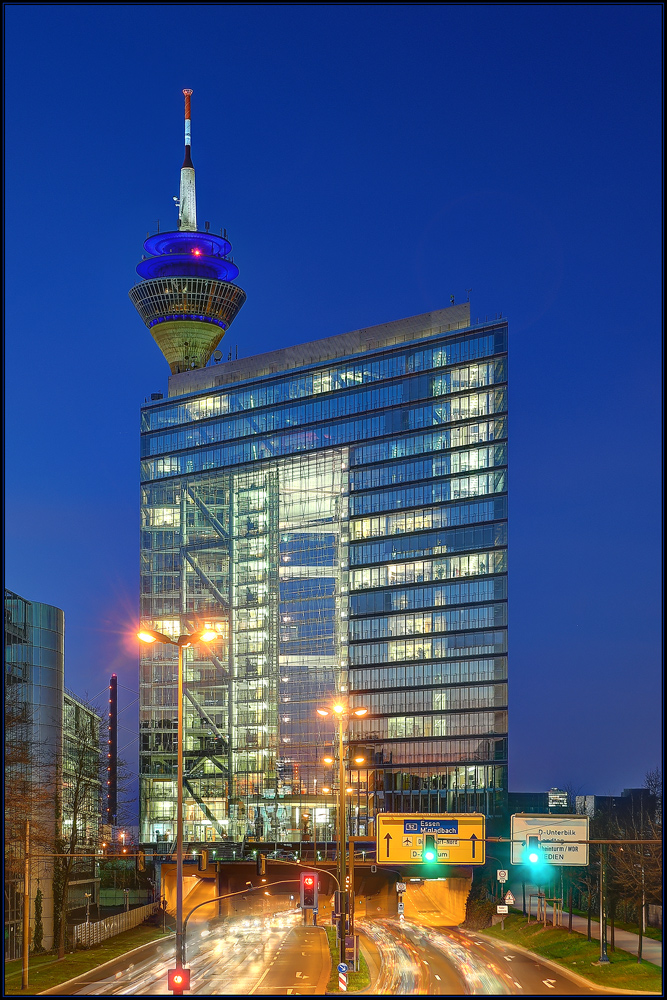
(88, 934)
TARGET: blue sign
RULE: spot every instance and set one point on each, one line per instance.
(444, 826)
(342, 967)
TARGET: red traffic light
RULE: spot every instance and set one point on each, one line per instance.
(308, 890)
(178, 980)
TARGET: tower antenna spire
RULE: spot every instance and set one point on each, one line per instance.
(187, 216)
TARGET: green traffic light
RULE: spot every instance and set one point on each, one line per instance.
(429, 851)
(534, 852)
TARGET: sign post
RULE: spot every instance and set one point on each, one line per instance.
(425, 838)
(342, 977)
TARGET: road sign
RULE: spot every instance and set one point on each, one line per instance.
(401, 887)
(501, 908)
(502, 875)
(401, 906)
(557, 836)
(509, 898)
(342, 967)
(459, 837)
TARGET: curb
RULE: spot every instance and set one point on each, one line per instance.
(575, 975)
(99, 968)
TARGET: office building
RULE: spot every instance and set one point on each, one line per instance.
(51, 738)
(338, 511)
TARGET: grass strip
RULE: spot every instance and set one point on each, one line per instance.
(47, 971)
(576, 954)
(355, 980)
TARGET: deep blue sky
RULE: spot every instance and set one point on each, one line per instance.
(368, 162)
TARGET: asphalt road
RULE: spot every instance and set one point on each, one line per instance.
(278, 956)
(486, 966)
(274, 956)
(300, 966)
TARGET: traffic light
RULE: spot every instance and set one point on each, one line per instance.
(308, 890)
(203, 861)
(430, 849)
(178, 980)
(261, 864)
(533, 854)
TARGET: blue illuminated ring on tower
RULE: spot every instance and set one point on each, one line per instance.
(187, 265)
(184, 242)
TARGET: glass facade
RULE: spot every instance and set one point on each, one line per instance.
(343, 526)
(34, 687)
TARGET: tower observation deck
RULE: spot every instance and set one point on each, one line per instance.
(187, 297)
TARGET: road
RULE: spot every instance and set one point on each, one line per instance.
(271, 956)
(451, 962)
(276, 955)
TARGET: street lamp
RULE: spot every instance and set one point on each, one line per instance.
(182, 642)
(341, 713)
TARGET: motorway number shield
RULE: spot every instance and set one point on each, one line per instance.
(459, 837)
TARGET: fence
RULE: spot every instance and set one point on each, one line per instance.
(93, 933)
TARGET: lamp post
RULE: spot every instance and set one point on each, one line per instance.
(87, 895)
(341, 713)
(182, 642)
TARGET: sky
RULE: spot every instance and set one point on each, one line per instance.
(368, 161)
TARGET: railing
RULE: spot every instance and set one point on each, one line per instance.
(88, 934)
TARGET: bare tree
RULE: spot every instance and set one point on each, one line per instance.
(653, 782)
(77, 814)
(28, 795)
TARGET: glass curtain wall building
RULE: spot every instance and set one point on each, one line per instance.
(34, 690)
(338, 512)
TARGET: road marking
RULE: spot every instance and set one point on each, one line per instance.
(551, 983)
(437, 976)
(518, 984)
(424, 961)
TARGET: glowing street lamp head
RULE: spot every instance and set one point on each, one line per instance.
(328, 760)
(146, 637)
(208, 635)
(339, 709)
(360, 711)
(359, 760)
(322, 711)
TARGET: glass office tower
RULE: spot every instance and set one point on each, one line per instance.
(338, 512)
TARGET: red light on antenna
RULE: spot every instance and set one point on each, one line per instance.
(196, 252)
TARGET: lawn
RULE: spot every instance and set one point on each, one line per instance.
(578, 955)
(355, 980)
(47, 971)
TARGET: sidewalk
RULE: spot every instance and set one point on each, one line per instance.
(625, 940)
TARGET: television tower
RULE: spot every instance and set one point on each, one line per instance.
(187, 298)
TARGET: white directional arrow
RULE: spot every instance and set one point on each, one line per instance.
(551, 983)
